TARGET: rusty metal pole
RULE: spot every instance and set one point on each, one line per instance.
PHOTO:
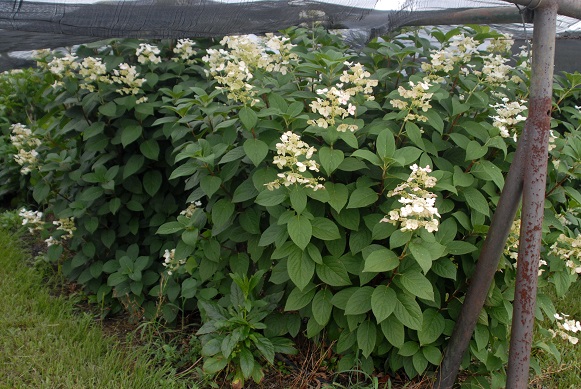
(535, 178)
(485, 268)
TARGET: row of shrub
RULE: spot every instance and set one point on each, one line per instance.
(287, 185)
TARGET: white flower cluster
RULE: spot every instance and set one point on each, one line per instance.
(288, 155)
(185, 50)
(569, 250)
(418, 208)
(501, 45)
(63, 66)
(508, 115)
(170, 262)
(565, 325)
(337, 101)
(25, 142)
(127, 75)
(93, 70)
(459, 51)
(67, 225)
(147, 53)
(189, 211)
(233, 68)
(32, 219)
(512, 244)
(495, 70)
(417, 99)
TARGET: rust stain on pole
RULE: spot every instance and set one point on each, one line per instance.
(538, 126)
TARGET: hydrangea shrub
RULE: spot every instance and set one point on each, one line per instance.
(359, 185)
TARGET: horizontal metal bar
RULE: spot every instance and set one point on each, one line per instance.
(485, 15)
(571, 8)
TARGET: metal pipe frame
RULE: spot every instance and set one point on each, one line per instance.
(535, 178)
(532, 156)
(571, 8)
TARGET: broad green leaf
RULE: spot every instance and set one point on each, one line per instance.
(150, 149)
(393, 330)
(368, 156)
(420, 362)
(333, 272)
(152, 181)
(265, 346)
(383, 302)
(432, 354)
(409, 348)
(269, 198)
(433, 325)
(256, 150)
(130, 134)
(222, 211)
(273, 234)
(408, 311)
(246, 362)
(481, 336)
(300, 230)
(325, 229)
(300, 269)
(169, 228)
(214, 365)
(385, 144)
(475, 151)
(298, 299)
(380, 260)
(399, 238)
(486, 170)
(133, 165)
(338, 195)
(458, 247)
(244, 191)
(330, 159)
(298, 198)
(422, 255)
(210, 184)
(360, 301)
(416, 284)
(366, 337)
(445, 268)
(407, 155)
(322, 306)
(362, 197)
(476, 200)
(248, 117)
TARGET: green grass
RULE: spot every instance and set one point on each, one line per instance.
(566, 373)
(43, 344)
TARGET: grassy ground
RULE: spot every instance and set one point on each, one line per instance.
(566, 373)
(43, 345)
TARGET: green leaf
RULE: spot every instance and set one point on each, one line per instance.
(298, 198)
(393, 330)
(476, 200)
(300, 230)
(383, 302)
(432, 354)
(416, 284)
(169, 228)
(408, 311)
(133, 165)
(420, 362)
(360, 301)
(322, 306)
(368, 156)
(130, 134)
(108, 109)
(246, 362)
(407, 155)
(210, 184)
(475, 151)
(248, 117)
(338, 195)
(273, 234)
(265, 347)
(222, 211)
(422, 255)
(244, 191)
(269, 198)
(385, 144)
(213, 365)
(256, 150)
(481, 336)
(152, 181)
(330, 159)
(362, 197)
(433, 325)
(399, 238)
(300, 269)
(150, 149)
(325, 229)
(229, 343)
(458, 247)
(409, 348)
(298, 299)
(333, 272)
(380, 260)
(366, 337)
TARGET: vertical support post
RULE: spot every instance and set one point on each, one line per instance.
(535, 178)
(485, 268)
